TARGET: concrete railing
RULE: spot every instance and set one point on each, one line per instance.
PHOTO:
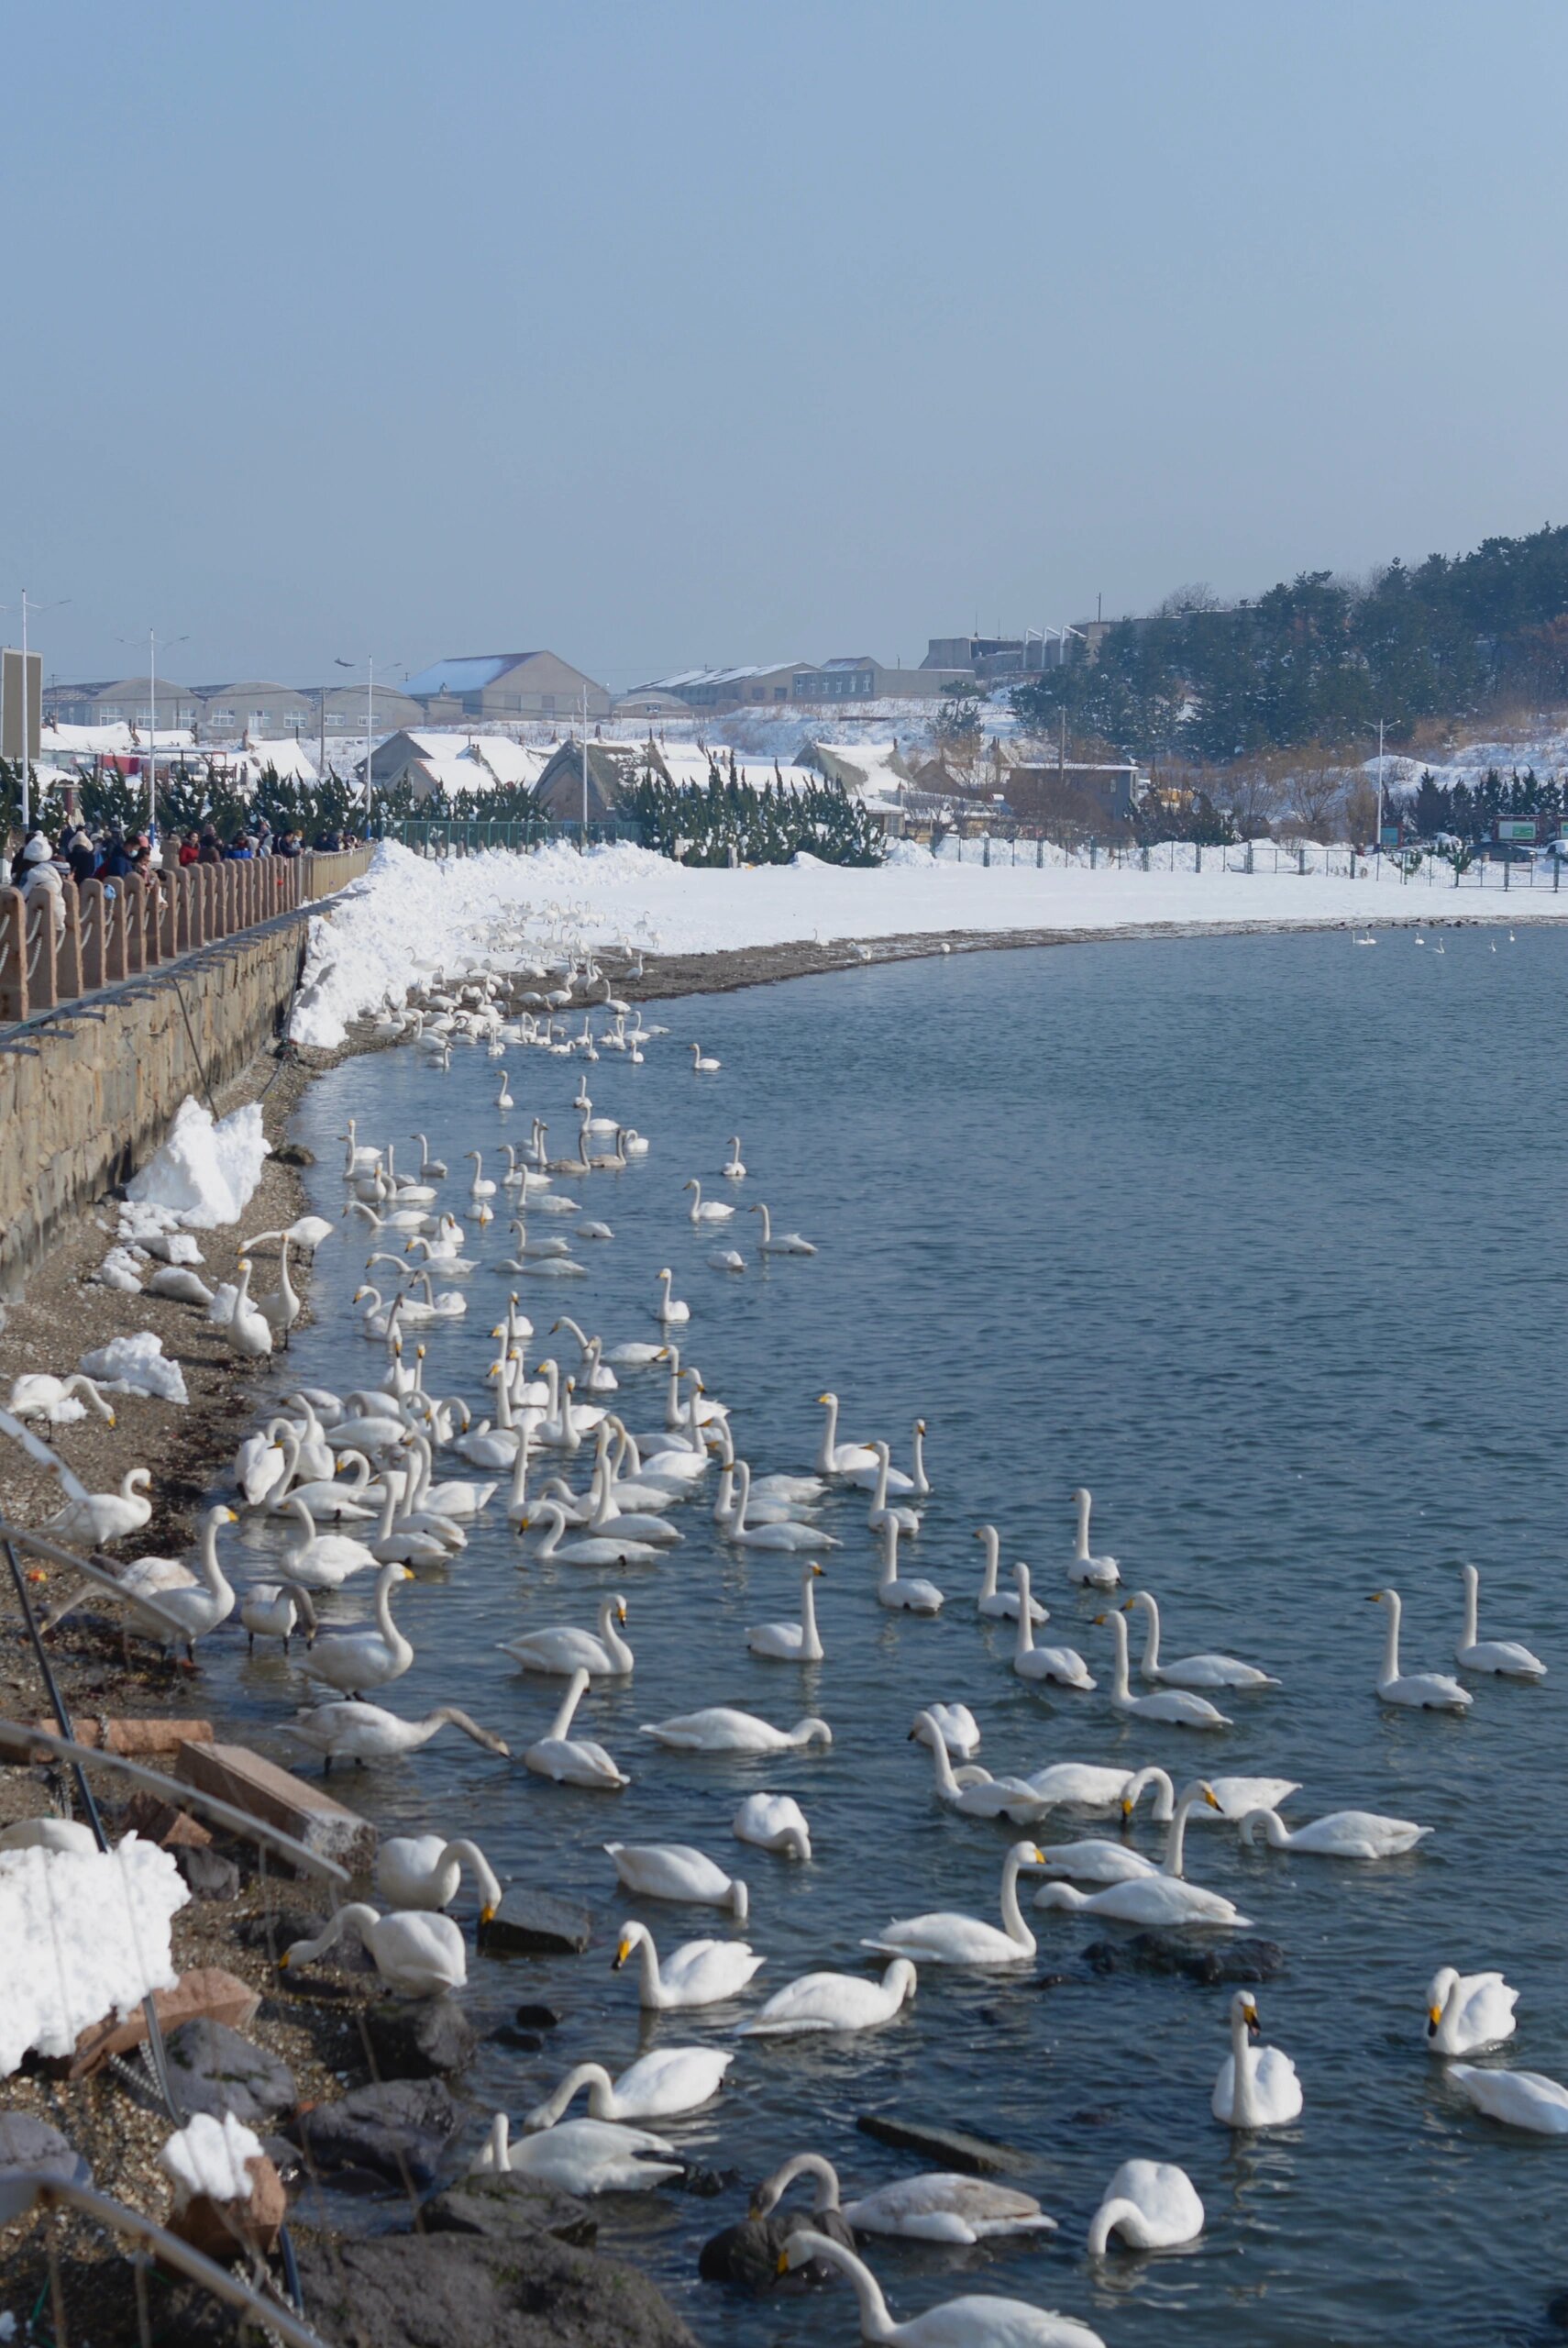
(117, 929)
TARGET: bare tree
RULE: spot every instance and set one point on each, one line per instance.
(1317, 788)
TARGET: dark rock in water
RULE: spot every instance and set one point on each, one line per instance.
(520, 2042)
(208, 1872)
(947, 2147)
(1557, 2311)
(529, 2291)
(536, 1923)
(1050, 1981)
(1247, 1961)
(746, 2255)
(535, 2017)
(216, 2069)
(419, 2039)
(504, 2205)
(403, 2127)
(292, 1153)
(27, 2143)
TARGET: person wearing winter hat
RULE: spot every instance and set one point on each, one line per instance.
(41, 877)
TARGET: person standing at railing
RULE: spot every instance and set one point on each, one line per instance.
(39, 877)
(190, 850)
(82, 855)
(286, 844)
(209, 850)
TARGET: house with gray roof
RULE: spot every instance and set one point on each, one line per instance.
(505, 685)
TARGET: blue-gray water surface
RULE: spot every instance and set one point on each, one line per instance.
(1254, 1236)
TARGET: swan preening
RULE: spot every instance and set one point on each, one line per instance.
(937, 2206)
(1468, 2011)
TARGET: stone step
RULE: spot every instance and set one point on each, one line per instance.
(260, 1787)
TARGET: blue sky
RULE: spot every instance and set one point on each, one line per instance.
(695, 333)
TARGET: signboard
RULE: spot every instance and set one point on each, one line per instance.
(11, 733)
(1515, 827)
(1390, 835)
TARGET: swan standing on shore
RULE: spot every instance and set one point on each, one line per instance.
(1504, 1656)
(979, 2319)
(201, 1604)
(1430, 1691)
(937, 2206)
(947, 1938)
(1189, 1670)
(1257, 2086)
(419, 1954)
(699, 1973)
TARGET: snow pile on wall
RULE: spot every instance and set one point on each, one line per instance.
(205, 1172)
(136, 1365)
(209, 2157)
(82, 1935)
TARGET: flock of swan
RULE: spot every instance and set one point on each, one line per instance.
(391, 1478)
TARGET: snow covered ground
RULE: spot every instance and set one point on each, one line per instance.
(410, 914)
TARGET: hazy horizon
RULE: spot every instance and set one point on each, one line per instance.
(702, 335)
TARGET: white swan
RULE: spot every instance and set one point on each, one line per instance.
(706, 1211)
(787, 1243)
(360, 1733)
(246, 1330)
(784, 1533)
(833, 2001)
(1257, 2086)
(324, 1560)
(947, 1938)
(719, 1728)
(422, 1871)
(1527, 2099)
(976, 2321)
(371, 1656)
(1064, 1666)
(792, 1642)
(604, 1657)
(1189, 1670)
(1504, 1656)
(1467, 2011)
(678, 1871)
(699, 1973)
(1165, 1897)
(936, 2206)
(772, 1823)
(661, 2086)
(419, 1954)
(960, 1729)
(1091, 1573)
(199, 1605)
(1001, 1605)
(732, 1171)
(582, 2156)
(979, 1795)
(835, 1458)
(1430, 1691)
(915, 1597)
(1150, 2205)
(1233, 1797)
(610, 1548)
(701, 1064)
(1097, 1860)
(94, 1519)
(670, 1310)
(1087, 1784)
(1339, 1835)
(1179, 1706)
(271, 1610)
(881, 1508)
(573, 1760)
(36, 1395)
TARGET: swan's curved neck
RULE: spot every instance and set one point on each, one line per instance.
(384, 1623)
(875, 2323)
(890, 1553)
(601, 2093)
(942, 1758)
(647, 1958)
(823, 2173)
(212, 1572)
(1243, 2104)
(1391, 1644)
(561, 1725)
(1176, 1841)
(1149, 1608)
(1119, 1690)
(1472, 1610)
(464, 1854)
(1011, 1914)
(992, 1540)
(1083, 1527)
(1107, 2218)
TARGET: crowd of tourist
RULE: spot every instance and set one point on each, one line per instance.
(76, 855)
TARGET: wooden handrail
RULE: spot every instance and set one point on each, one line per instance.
(117, 928)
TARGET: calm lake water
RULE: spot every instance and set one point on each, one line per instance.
(1253, 1237)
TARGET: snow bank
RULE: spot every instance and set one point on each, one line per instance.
(361, 956)
(82, 1935)
(206, 1173)
(136, 1365)
(210, 2157)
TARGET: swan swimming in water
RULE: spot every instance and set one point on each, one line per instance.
(573, 1760)
(1526, 2100)
(1090, 1572)
(1165, 1897)
(660, 2086)
(605, 1656)
(423, 1871)
(1257, 2087)
(915, 1597)
(946, 1938)
(582, 2156)
(719, 1728)
(361, 1733)
(1189, 1670)
(1504, 1656)
(1467, 2011)
(419, 1954)
(1341, 1835)
(1430, 1691)
(819, 2002)
(1150, 2205)
(977, 1794)
(1001, 1605)
(979, 2319)
(699, 1973)
(1179, 1706)
(1063, 1667)
(678, 1871)
(792, 1642)
(774, 1823)
(937, 2206)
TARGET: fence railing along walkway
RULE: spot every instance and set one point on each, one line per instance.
(117, 929)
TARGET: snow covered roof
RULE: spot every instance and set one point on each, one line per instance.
(285, 755)
(689, 677)
(469, 674)
(88, 738)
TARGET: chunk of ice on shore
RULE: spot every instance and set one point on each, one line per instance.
(136, 1365)
(82, 1935)
(209, 2157)
(205, 1172)
(118, 1270)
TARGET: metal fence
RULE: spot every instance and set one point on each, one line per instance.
(116, 929)
(1407, 868)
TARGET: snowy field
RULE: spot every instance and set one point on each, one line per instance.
(410, 914)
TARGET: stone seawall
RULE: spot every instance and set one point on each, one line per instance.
(87, 1096)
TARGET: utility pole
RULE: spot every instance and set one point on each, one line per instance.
(152, 696)
(26, 802)
(1380, 784)
(582, 843)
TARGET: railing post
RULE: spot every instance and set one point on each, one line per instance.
(168, 920)
(68, 962)
(132, 924)
(40, 949)
(13, 954)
